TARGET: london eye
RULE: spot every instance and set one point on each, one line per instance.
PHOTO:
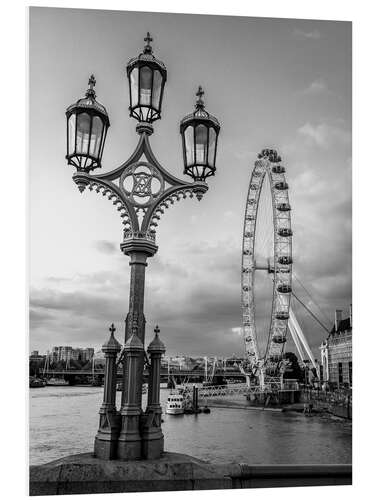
(266, 253)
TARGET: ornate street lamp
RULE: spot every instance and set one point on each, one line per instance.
(199, 132)
(142, 190)
(87, 125)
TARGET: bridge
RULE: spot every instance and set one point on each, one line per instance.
(272, 385)
(179, 375)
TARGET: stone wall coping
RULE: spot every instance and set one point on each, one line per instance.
(83, 473)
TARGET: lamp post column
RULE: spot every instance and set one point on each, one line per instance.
(109, 424)
(152, 436)
(129, 442)
(129, 445)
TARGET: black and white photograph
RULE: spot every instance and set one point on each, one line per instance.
(190, 251)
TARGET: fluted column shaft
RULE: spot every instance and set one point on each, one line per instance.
(109, 422)
(129, 442)
(152, 436)
(154, 382)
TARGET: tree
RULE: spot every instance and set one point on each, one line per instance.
(293, 370)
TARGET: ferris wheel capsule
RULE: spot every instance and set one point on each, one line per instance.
(283, 207)
(284, 288)
(281, 185)
(284, 231)
(285, 259)
(282, 315)
(279, 339)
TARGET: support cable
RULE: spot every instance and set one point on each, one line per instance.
(311, 313)
(311, 297)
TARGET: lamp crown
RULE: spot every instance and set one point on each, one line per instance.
(156, 346)
(148, 39)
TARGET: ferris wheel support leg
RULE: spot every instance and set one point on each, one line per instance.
(261, 379)
(302, 338)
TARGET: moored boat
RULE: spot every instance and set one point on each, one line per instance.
(57, 381)
(175, 404)
(36, 382)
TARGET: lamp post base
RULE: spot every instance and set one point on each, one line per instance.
(129, 450)
(105, 449)
(105, 446)
(152, 445)
(129, 445)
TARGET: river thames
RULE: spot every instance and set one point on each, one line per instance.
(64, 421)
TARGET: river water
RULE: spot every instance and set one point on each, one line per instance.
(64, 421)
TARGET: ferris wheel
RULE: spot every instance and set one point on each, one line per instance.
(267, 250)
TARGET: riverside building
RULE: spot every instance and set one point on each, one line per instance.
(336, 352)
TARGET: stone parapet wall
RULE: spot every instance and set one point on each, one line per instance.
(83, 473)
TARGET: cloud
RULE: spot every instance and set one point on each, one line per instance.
(237, 330)
(316, 87)
(105, 246)
(56, 279)
(312, 35)
(194, 293)
(324, 135)
(228, 214)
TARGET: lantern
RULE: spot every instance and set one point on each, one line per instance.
(199, 132)
(147, 76)
(87, 125)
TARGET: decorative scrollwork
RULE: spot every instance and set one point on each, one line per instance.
(141, 189)
(142, 183)
(107, 191)
(166, 202)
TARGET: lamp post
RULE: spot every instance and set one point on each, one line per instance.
(142, 190)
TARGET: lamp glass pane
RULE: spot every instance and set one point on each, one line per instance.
(201, 141)
(96, 134)
(189, 145)
(134, 87)
(145, 83)
(199, 171)
(144, 113)
(83, 133)
(156, 90)
(211, 146)
(71, 133)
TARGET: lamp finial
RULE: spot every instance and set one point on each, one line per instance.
(148, 39)
(90, 91)
(200, 94)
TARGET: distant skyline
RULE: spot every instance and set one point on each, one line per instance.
(282, 83)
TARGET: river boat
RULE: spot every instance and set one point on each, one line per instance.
(57, 381)
(36, 382)
(175, 404)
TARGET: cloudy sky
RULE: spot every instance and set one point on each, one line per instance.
(279, 83)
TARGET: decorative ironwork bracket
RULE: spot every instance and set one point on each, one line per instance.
(141, 189)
